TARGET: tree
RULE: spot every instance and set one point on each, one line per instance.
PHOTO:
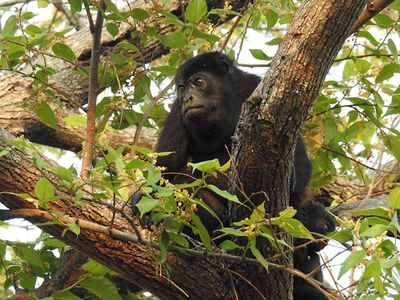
(51, 74)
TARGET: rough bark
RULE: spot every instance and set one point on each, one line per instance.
(137, 263)
(15, 93)
(272, 116)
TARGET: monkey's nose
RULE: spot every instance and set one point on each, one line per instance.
(188, 98)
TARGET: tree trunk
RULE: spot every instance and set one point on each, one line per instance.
(272, 117)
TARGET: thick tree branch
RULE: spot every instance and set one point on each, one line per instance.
(132, 260)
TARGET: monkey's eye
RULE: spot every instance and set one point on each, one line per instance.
(200, 83)
(181, 89)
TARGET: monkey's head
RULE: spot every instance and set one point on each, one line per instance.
(205, 88)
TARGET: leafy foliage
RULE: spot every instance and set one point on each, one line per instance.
(353, 131)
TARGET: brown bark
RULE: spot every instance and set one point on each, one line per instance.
(15, 92)
(272, 116)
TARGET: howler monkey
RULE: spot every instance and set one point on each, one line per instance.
(210, 92)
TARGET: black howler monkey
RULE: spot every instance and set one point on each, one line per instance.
(210, 92)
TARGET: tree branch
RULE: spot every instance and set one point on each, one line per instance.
(370, 10)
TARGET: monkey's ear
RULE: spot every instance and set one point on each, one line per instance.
(225, 63)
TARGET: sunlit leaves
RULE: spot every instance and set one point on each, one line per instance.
(196, 10)
(259, 54)
(10, 27)
(46, 114)
(102, 287)
(354, 259)
(394, 198)
(387, 72)
(64, 51)
(44, 190)
(139, 14)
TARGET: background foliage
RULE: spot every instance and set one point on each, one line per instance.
(352, 131)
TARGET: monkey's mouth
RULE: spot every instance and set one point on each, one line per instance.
(194, 109)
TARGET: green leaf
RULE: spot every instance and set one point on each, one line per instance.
(76, 6)
(257, 254)
(64, 295)
(205, 166)
(112, 28)
(341, 236)
(196, 10)
(272, 17)
(153, 175)
(232, 231)
(202, 231)
(349, 69)
(354, 259)
(393, 144)
(46, 114)
(383, 20)
(126, 46)
(10, 27)
(163, 242)
(174, 40)
(31, 256)
(63, 51)
(387, 72)
(369, 37)
(224, 194)
(75, 120)
(95, 268)
(258, 214)
(102, 287)
(44, 190)
(145, 205)
(394, 198)
(363, 65)
(135, 164)
(274, 42)
(394, 105)
(33, 29)
(73, 228)
(259, 54)
(378, 212)
(179, 239)
(65, 174)
(139, 14)
(374, 231)
(392, 47)
(229, 245)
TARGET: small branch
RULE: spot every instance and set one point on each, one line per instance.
(93, 90)
(373, 7)
(74, 20)
(154, 101)
(14, 2)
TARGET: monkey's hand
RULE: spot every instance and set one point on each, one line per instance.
(318, 221)
(147, 218)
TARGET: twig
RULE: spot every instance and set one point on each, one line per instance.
(87, 153)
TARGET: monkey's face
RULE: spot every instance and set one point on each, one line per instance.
(202, 97)
(209, 98)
